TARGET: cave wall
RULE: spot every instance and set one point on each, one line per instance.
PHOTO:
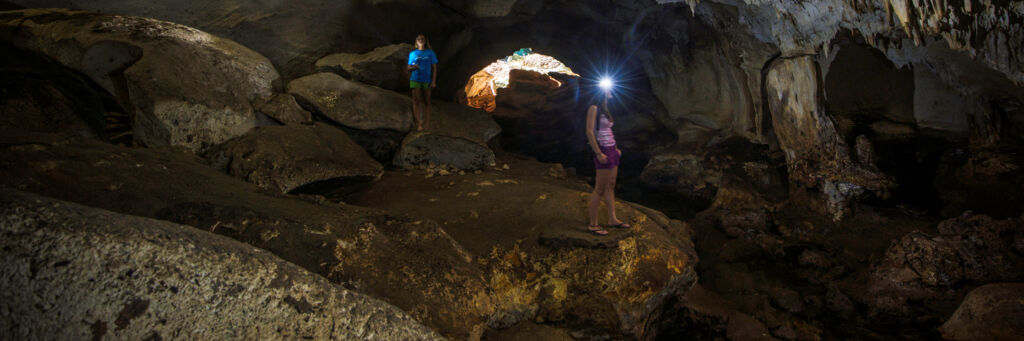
(294, 34)
(694, 71)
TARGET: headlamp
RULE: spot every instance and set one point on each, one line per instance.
(606, 83)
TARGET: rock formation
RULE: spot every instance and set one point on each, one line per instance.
(76, 272)
(989, 312)
(817, 155)
(286, 158)
(385, 66)
(182, 86)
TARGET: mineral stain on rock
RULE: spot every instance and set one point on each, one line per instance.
(302, 306)
(131, 310)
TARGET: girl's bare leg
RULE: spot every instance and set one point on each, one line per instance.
(415, 107)
(609, 196)
(426, 112)
(600, 187)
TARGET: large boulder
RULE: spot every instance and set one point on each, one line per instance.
(457, 136)
(182, 86)
(284, 158)
(990, 312)
(411, 263)
(527, 229)
(384, 67)
(75, 272)
(284, 109)
(351, 104)
(695, 172)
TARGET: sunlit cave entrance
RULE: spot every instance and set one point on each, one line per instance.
(536, 100)
(532, 71)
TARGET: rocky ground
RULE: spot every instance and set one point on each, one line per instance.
(850, 173)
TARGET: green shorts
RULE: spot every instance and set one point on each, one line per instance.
(421, 85)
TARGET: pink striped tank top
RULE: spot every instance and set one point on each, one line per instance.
(604, 136)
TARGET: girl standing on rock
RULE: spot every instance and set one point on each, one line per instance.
(423, 78)
(606, 161)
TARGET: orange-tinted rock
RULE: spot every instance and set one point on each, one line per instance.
(480, 92)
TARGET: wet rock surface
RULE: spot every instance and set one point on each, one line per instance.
(286, 158)
(76, 272)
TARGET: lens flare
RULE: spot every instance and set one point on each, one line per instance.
(606, 83)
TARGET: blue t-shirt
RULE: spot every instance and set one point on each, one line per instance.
(424, 59)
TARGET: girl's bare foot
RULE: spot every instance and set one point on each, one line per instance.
(597, 230)
(620, 225)
(419, 128)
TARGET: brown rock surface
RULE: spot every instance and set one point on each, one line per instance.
(411, 263)
(816, 155)
(284, 109)
(75, 272)
(920, 267)
(353, 104)
(520, 225)
(457, 136)
(990, 312)
(172, 78)
(384, 67)
(284, 158)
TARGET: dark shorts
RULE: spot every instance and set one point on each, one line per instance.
(613, 158)
(418, 85)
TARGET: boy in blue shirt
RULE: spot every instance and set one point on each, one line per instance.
(422, 79)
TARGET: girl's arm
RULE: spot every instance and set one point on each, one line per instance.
(433, 75)
(411, 64)
(591, 118)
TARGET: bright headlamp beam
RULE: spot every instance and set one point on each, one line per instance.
(606, 83)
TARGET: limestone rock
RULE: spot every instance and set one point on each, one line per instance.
(682, 173)
(816, 155)
(75, 272)
(970, 248)
(43, 96)
(284, 109)
(990, 312)
(293, 35)
(183, 86)
(41, 105)
(989, 30)
(543, 266)
(285, 158)
(384, 67)
(352, 104)
(413, 264)
(425, 147)
(457, 136)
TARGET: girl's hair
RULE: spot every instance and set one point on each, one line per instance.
(602, 109)
(426, 41)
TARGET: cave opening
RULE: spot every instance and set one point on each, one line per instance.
(483, 88)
